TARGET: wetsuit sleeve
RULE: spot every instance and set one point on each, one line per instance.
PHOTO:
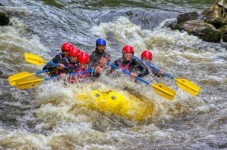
(141, 68)
(48, 67)
(56, 59)
(117, 62)
(157, 74)
(65, 62)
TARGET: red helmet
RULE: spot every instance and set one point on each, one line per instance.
(128, 49)
(74, 52)
(146, 54)
(66, 46)
(83, 58)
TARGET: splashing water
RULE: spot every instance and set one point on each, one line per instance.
(51, 116)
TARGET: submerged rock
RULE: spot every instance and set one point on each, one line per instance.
(4, 18)
(203, 30)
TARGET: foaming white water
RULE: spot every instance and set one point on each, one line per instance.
(21, 139)
(125, 32)
(13, 45)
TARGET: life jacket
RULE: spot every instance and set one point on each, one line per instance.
(78, 77)
(125, 67)
(83, 75)
(133, 66)
(96, 56)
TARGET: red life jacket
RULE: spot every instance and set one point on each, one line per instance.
(126, 67)
(79, 77)
(83, 75)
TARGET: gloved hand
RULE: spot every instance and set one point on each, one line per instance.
(103, 61)
(133, 74)
(61, 66)
(98, 69)
(161, 72)
(62, 75)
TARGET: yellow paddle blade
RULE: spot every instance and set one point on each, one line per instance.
(14, 78)
(34, 59)
(28, 83)
(188, 86)
(164, 91)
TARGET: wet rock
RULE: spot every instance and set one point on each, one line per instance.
(187, 16)
(224, 33)
(224, 37)
(208, 27)
(4, 18)
(203, 30)
(146, 19)
(216, 14)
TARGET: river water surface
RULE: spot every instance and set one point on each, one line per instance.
(46, 117)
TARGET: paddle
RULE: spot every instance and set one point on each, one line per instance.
(37, 60)
(21, 76)
(31, 58)
(34, 59)
(35, 81)
(159, 88)
(182, 83)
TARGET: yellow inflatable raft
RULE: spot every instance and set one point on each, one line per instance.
(118, 103)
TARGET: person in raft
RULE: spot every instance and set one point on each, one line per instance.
(146, 57)
(82, 72)
(64, 52)
(70, 66)
(55, 66)
(127, 62)
(99, 57)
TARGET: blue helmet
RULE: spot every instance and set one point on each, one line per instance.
(100, 41)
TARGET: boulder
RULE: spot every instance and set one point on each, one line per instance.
(224, 33)
(216, 14)
(187, 16)
(4, 18)
(203, 30)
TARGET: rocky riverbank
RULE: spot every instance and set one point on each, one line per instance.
(210, 25)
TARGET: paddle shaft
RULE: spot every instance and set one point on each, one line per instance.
(57, 65)
(41, 71)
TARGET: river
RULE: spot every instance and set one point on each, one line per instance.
(45, 117)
